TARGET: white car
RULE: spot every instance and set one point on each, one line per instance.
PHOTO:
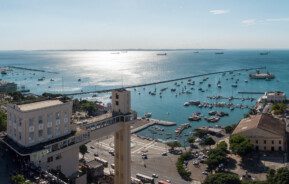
(155, 176)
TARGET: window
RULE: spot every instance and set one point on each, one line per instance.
(49, 118)
(256, 141)
(40, 133)
(58, 156)
(116, 96)
(264, 141)
(280, 148)
(280, 142)
(49, 159)
(20, 122)
(116, 102)
(19, 133)
(264, 147)
(40, 121)
(31, 121)
(31, 137)
(49, 131)
(57, 115)
(272, 142)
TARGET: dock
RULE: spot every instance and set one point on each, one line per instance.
(161, 82)
(251, 92)
(152, 122)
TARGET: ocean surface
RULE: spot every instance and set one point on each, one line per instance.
(76, 71)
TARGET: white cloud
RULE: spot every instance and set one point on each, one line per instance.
(219, 12)
(249, 22)
(278, 19)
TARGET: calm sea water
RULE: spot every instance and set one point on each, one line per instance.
(106, 69)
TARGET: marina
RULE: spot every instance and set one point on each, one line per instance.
(172, 97)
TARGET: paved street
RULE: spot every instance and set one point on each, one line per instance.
(163, 166)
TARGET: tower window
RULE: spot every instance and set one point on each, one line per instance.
(116, 102)
(116, 96)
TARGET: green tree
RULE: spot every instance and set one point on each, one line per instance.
(191, 140)
(223, 146)
(83, 150)
(230, 128)
(19, 179)
(222, 178)
(240, 145)
(281, 176)
(209, 141)
(183, 172)
(174, 144)
(279, 108)
(217, 156)
(3, 121)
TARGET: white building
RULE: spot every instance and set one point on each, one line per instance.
(274, 97)
(41, 133)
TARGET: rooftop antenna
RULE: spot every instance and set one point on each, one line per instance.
(122, 86)
(62, 85)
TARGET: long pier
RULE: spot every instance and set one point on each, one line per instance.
(164, 81)
(31, 69)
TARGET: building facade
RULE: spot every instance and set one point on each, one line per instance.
(265, 132)
(34, 123)
(42, 131)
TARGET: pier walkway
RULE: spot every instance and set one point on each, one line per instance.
(164, 81)
(31, 69)
(151, 123)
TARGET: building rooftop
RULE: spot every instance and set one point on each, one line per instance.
(263, 121)
(95, 119)
(39, 105)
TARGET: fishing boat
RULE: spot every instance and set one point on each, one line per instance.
(212, 119)
(4, 72)
(194, 117)
(264, 53)
(148, 115)
(162, 54)
(259, 75)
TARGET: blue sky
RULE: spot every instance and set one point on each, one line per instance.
(116, 24)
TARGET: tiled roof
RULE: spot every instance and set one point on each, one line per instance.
(263, 121)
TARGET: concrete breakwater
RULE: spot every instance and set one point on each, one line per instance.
(164, 81)
(31, 69)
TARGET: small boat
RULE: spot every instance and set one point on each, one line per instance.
(212, 119)
(246, 81)
(51, 80)
(218, 53)
(79, 80)
(264, 53)
(209, 85)
(234, 85)
(173, 89)
(194, 117)
(196, 52)
(148, 115)
(162, 54)
(4, 72)
(94, 95)
(219, 86)
(41, 79)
